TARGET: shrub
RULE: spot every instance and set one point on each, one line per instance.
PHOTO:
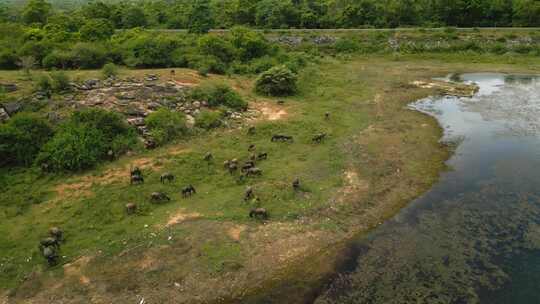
(166, 125)
(345, 45)
(219, 94)
(249, 44)
(208, 119)
(43, 83)
(109, 70)
(88, 55)
(57, 59)
(75, 147)
(278, 81)
(217, 47)
(262, 64)
(86, 139)
(8, 59)
(22, 137)
(60, 81)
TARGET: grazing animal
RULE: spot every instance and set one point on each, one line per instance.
(251, 148)
(319, 137)
(50, 253)
(254, 172)
(253, 157)
(188, 191)
(233, 167)
(248, 194)
(208, 157)
(248, 165)
(131, 208)
(296, 184)
(136, 171)
(278, 137)
(251, 131)
(258, 213)
(166, 177)
(262, 156)
(56, 233)
(49, 242)
(226, 164)
(150, 144)
(137, 179)
(159, 197)
(327, 115)
(173, 72)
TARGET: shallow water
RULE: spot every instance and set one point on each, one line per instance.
(475, 236)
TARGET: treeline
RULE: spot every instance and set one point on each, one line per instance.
(204, 14)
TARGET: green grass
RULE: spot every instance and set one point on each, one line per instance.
(94, 220)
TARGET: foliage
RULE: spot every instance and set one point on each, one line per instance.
(278, 81)
(208, 119)
(85, 140)
(60, 81)
(22, 137)
(96, 29)
(44, 83)
(109, 70)
(200, 17)
(219, 94)
(166, 125)
(36, 11)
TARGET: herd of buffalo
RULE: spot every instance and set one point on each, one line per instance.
(49, 247)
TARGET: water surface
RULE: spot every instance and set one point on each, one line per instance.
(475, 236)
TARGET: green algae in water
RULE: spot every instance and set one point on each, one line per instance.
(475, 236)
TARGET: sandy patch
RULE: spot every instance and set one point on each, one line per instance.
(270, 111)
(73, 269)
(236, 231)
(180, 217)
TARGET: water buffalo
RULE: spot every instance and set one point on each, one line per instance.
(279, 137)
(262, 156)
(248, 194)
(258, 213)
(50, 253)
(56, 233)
(233, 167)
(156, 197)
(327, 115)
(251, 148)
(296, 184)
(136, 171)
(188, 191)
(48, 242)
(248, 165)
(137, 179)
(319, 137)
(131, 208)
(254, 172)
(166, 177)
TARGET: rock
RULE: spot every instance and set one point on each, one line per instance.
(4, 116)
(204, 103)
(134, 112)
(190, 121)
(91, 83)
(8, 87)
(154, 106)
(137, 121)
(196, 112)
(197, 104)
(53, 117)
(324, 40)
(126, 95)
(12, 107)
(151, 77)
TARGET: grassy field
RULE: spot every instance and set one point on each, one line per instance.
(378, 157)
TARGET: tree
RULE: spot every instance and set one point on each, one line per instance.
(200, 19)
(27, 63)
(22, 137)
(133, 17)
(526, 13)
(36, 11)
(97, 29)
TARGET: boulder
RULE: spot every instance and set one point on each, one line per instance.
(8, 87)
(4, 116)
(190, 121)
(12, 107)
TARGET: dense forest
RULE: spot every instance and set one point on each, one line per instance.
(181, 14)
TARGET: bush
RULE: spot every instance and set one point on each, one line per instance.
(278, 81)
(22, 137)
(73, 148)
(60, 81)
(249, 44)
(165, 125)
(109, 70)
(262, 64)
(208, 119)
(218, 47)
(8, 59)
(43, 83)
(345, 45)
(86, 139)
(219, 94)
(88, 55)
(57, 59)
